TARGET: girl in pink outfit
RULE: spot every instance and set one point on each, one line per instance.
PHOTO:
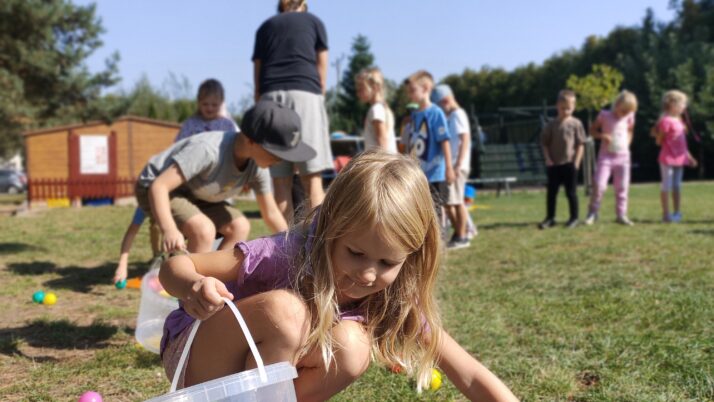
(614, 128)
(671, 134)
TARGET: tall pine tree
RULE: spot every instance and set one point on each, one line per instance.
(349, 107)
(43, 76)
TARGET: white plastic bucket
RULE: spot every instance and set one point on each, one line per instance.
(154, 307)
(262, 384)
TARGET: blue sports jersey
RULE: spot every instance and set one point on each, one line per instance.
(429, 130)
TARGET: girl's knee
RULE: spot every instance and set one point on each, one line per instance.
(289, 314)
(665, 187)
(352, 351)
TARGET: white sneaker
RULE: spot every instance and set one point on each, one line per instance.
(471, 232)
(623, 220)
(676, 217)
(592, 217)
(471, 228)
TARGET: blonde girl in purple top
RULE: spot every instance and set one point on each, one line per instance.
(671, 135)
(354, 281)
(615, 128)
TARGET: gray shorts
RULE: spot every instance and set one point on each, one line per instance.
(456, 189)
(315, 131)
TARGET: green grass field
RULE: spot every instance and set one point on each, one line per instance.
(601, 313)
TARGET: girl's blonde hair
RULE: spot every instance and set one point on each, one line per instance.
(291, 5)
(673, 97)
(628, 100)
(373, 80)
(389, 193)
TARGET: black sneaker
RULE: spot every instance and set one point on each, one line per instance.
(547, 223)
(571, 224)
(458, 242)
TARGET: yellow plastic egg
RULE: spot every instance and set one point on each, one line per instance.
(50, 299)
(435, 380)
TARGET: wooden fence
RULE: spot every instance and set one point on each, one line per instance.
(44, 189)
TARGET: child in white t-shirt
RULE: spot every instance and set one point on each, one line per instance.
(379, 122)
(460, 129)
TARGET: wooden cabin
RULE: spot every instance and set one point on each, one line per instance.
(92, 161)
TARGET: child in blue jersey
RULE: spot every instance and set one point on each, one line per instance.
(429, 138)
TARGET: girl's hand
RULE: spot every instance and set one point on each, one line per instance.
(205, 298)
(174, 241)
(120, 273)
(606, 138)
(692, 162)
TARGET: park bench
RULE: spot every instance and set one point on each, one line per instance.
(506, 164)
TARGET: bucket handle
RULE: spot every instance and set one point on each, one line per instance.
(246, 333)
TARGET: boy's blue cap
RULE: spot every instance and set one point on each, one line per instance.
(440, 92)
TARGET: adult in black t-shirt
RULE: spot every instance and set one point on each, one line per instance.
(290, 63)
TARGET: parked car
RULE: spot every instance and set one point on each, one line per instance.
(12, 181)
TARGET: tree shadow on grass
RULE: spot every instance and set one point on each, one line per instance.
(499, 225)
(252, 214)
(145, 359)
(683, 222)
(76, 278)
(59, 334)
(703, 232)
(14, 248)
(82, 279)
(32, 268)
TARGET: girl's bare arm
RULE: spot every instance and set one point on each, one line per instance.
(380, 131)
(472, 378)
(198, 279)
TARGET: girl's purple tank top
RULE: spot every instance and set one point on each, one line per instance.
(268, 264)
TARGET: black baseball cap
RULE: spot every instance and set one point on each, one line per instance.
(277, 129)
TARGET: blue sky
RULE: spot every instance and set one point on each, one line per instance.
(214, 38)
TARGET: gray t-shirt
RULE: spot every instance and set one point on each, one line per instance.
(207, 163)
(562, 139)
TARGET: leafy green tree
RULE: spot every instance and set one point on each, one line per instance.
(596, 89)
(652, 58)
(351, 111)
(147, 101)
(43, 76)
